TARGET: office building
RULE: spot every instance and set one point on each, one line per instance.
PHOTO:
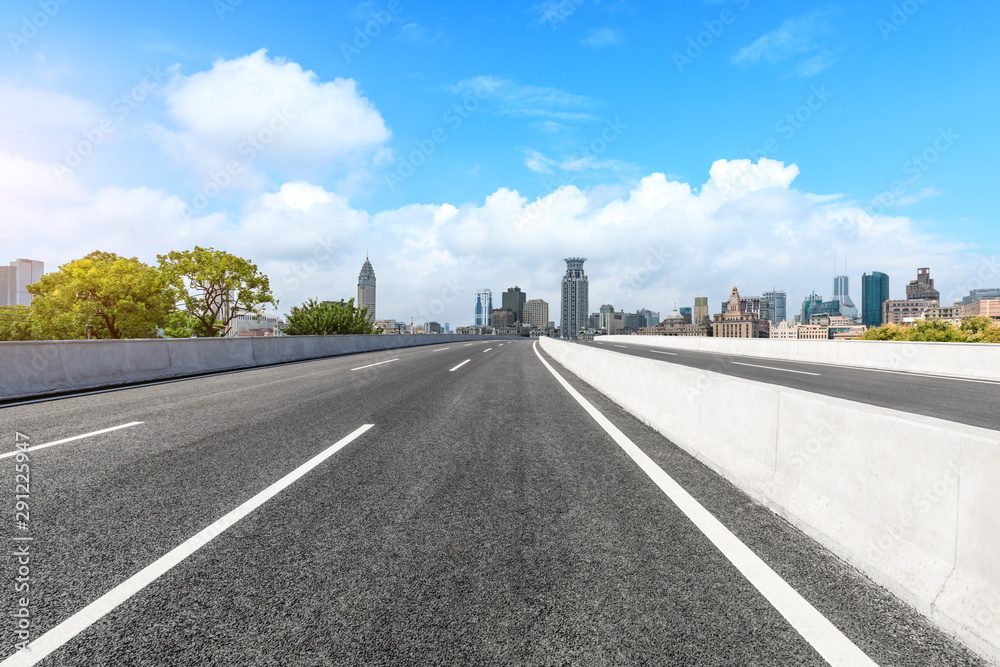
(536, 313)
(502, 318)
(14, 281)
(701, 310)
(841, 293)
(484, 307)
(676, 324)
(974, 295)
(611, 322)
(366, 289)
(735, 322)
(777, 305)
(652, 317)
(905, 310)
(874, 292)
(574, 298)
(687, 314)
(807, 304)
(514, 299)
(922, 289)
(982, 307)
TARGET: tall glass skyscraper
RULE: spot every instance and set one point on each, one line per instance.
(484, 307)
(575, 299)
(777, 303)
(841, 293)
(874, 291)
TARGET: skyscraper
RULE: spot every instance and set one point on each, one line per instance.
(14, 281)
(874, 292)
(841, 293)
(777, 305)
(484, 307)
(575, 299)
(366, 289)
(514, 298)
(807, 305)
(701, 310)
(536, 313)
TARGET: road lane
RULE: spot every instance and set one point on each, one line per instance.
(485, 520)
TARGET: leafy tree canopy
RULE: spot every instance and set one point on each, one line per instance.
(973, 330)
(214, 287)
(15, 323)
(121, 297)
(326, 318)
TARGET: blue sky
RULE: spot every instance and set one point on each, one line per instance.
(536, 131)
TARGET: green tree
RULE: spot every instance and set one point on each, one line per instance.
(214, 287)
(121, 297)
(15, 323)
(325, 318)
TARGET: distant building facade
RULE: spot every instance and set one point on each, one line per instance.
(514, 299)
(874, 292)
(735, 322)
(701, 313)
(777, 305)
(982, 307)
(899, 310)
(922, 289)
(676, 325)
(366, 289)
(484, 307)
(980, 294)
(14, 281)
(575, 297)
(502, 318)
(536, 313)
(841, 293)
(807, 303)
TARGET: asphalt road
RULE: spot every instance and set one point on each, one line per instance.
(967, 401)
(483, 518)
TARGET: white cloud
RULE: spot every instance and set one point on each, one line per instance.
(803, 38)
(42, 125)
(601, 37)
(539, 163)
(525, 101)
(299, 120)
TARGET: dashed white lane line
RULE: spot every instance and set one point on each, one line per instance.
(487, 349)
(75, 437)
(815, 628)
(442, 349)
(93, 612)
(774, 368)
(672, 354)
(460, 365)
(373, 365)
(622, 347)
(468, 344)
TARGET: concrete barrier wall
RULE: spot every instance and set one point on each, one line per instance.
(912, 501)
(30, 369)
(972, 360)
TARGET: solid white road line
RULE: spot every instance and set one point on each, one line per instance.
(672, 354)
(815, 628)
(75, 437)
(93, 612)
(774, 368)
(373, 365)
(460, 365)
(442, 349)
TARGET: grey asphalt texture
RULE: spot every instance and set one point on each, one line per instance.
(486, 519)
(963, 401)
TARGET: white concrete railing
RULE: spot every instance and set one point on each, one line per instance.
(51, 367)
(912, 501)
(971, 360)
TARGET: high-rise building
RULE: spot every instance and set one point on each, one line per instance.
(874, 292)
(502, 317)
(841, 293)
(734, 321)
(536, 313)
(611, 321)
(701, 310)
(652, 317)
(687, 314)
(14, 281)
(575, 298)
(807, 305)
(922, 289)
(366, 289)
(777, 305)
(484, 307)
(514, 299)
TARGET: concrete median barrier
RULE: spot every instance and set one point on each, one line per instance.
(912, 501)
(970, 360)
(36, 369)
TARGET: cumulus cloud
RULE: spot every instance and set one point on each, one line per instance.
(268, 107)
(661, 241)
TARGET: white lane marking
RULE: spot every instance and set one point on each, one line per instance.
(373, 365)
(815, 628)
(93, 612)
(442, 349)
(672, 354)
(487, 349)
(621, 346)
(75, 437)
(460, 365)
(774, 368)
(468, 344)
(925, 375)
(500, 345)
